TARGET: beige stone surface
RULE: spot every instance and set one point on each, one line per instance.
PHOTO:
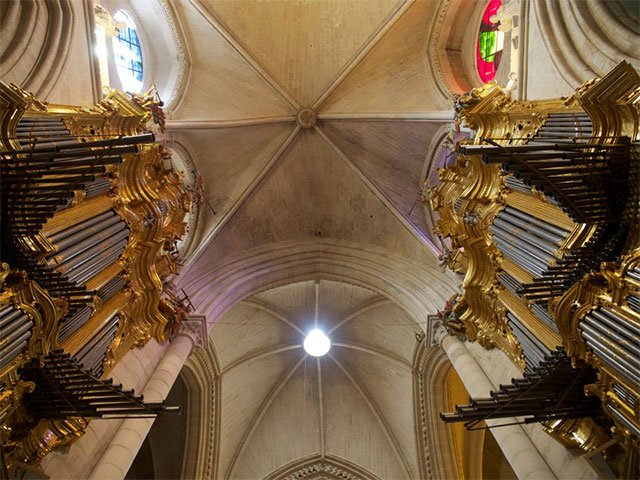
(45, 48)
(280, 405)
(223, 84)
(392, 155)
(303, 45)
(310, 192)
(233, 162)
(393, 76)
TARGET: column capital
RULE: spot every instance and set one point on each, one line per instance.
(195, 329)
(435, 331)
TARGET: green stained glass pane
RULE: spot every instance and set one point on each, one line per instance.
(488, 41)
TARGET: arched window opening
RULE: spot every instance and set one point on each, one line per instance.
(127, 53)
(490, 43)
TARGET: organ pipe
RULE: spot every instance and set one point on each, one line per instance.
(75, 183)
(548, 241)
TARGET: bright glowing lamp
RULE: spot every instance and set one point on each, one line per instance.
(317, 343)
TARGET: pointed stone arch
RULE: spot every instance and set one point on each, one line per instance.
(321, 467)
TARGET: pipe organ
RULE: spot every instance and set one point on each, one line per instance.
(89, 218)
(542, 212)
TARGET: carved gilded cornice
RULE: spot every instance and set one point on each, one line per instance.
(153, 202)
(613, 104)
(470, 197)
(471, 194)
(609, 288)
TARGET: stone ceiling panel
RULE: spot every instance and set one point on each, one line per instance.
(353, 431)
(244, 389)
(394, 75)
(223, 85)
(297, 301)
(280, 408)
(259, 330)
(385, 382)
(289, 429)
(312, 192)
(303, 45)
(384, 326)
(392, 155)
(229, 163)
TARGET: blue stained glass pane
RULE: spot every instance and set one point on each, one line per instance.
(128, 55)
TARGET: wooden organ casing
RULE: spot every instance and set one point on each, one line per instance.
(543, 204)
(89, 219)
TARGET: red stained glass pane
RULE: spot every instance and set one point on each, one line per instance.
(489, 46)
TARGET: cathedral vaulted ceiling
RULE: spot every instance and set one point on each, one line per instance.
(360, 71)
(311, 124)
(282, 406)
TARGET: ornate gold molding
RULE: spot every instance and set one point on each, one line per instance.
(472, 194)
(609, 288)
(152, 201)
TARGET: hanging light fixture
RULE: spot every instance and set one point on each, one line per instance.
(317, 343)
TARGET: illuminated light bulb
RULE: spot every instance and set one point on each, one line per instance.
(317, 343)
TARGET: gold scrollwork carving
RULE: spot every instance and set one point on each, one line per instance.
(153, 202)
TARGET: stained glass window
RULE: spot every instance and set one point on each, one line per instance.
(490, 43)
(127, 53)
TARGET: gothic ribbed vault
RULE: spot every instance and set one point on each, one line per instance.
(312, 130)
(279, 405)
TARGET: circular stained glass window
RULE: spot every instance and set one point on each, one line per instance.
(127, 53)
(490, 43)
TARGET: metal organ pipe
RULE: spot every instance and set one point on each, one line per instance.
(81, 226)
(607, 342)
(521, 244)
(515, 184)
(510, 283)
(592, 325)
(9, 317)
(95, 249)
(635, 273)
(16, 330)
(94, 269)
(545, 234)
(530, 238)
(111, 288)
(536, 221)
(622, 419)
(511, 252)
(105, 238)
(621, 325)
(90, 269)
(625, 395)
(91, 355)
(108, 223)
(534, 351)
(614, 340)
(71, 324)
(634, 302)
(541, 313)
(531, 243)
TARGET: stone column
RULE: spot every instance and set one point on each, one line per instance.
(123, 448)
(526, 461)
(78, 459)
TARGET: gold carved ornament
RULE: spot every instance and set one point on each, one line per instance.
(608, 288)
(140, 187)
(613, 107)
